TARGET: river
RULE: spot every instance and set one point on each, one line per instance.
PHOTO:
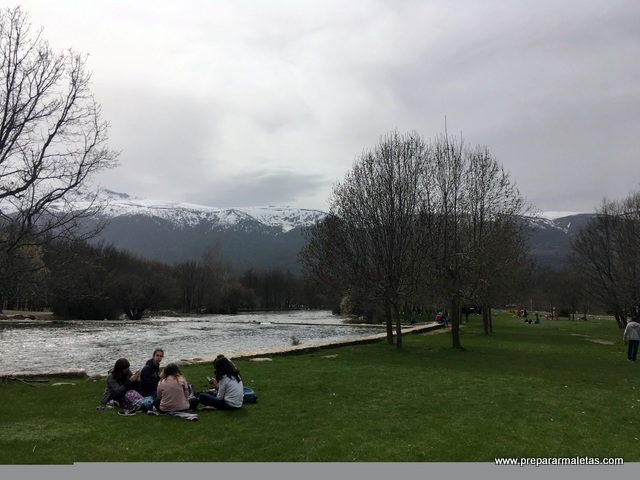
(94, 346)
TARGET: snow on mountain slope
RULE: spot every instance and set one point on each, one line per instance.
(282, 218)
(553, 215)
(188, 214)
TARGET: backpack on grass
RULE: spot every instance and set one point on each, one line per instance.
(249, 396)
(130, 399)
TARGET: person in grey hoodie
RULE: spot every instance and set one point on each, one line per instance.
(631, 338)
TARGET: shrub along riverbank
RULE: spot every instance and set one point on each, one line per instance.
(557, 389)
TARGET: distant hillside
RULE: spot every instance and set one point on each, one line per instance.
(550, 239)
(260, 237)
(246, 245)
(264, 237)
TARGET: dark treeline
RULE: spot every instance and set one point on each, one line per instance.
(82, 281)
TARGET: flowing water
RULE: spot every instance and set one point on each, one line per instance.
(94, 346)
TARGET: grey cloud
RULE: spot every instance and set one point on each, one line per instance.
(270, 103)
(258, 188)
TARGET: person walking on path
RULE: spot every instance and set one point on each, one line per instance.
(631, 338)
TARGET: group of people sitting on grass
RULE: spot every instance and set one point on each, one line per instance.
(529, 321)
(168, 392)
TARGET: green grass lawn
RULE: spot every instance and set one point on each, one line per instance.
(557, 389)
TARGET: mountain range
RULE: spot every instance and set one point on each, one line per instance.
(551, 234)
(265, 238)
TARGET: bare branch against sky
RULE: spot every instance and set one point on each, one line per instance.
(269, 103)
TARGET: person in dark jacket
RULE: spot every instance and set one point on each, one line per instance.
(150, 374)
(119, 381)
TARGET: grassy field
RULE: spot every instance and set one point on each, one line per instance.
(558, 389)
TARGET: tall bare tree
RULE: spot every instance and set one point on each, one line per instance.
(477, 207)
(52, 138)
(187, 275)
(215, 275)
(607, 254)
(503, 271)
(373, 242)
(413, 221)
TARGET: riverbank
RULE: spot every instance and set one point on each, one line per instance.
(7, 316)
(253, 354)
(321, 345)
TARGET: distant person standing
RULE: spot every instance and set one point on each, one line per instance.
(631, 338)
(150, 374)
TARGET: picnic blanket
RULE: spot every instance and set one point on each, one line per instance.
(185, 415)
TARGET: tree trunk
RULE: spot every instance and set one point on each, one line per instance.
(455, 321)
(398, 330)
(490, 315)
(485, 320)
(389, 320)
(621, 318)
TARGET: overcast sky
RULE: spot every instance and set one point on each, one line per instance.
(249, 103)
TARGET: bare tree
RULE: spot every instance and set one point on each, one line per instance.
(571, 287)
(144, 285)
(414, 221)
(187, 275)
(476, 205)
(215, 276)
(504, 269)
(52, 138)
(373, 242)
(606, 253)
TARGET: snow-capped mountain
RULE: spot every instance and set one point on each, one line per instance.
(554, 215)
(261, 237)
(188, 215)
(249, 237)
(551, 233)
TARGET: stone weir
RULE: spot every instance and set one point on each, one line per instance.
(253, 355)
(322, 345)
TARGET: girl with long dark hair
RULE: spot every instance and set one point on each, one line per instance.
(229, 384)
(119, 381)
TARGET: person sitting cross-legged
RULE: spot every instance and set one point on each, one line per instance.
(119, 381)
(229, 384)
(173, 392)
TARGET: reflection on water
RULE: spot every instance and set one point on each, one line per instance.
(94, 346)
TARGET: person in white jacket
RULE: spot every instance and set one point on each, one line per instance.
(631, 338)
(229, 384)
